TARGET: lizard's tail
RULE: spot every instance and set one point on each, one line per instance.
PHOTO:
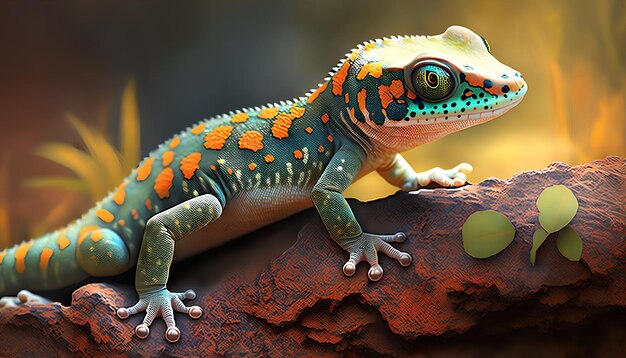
(48, 262)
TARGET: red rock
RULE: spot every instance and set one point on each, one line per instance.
(298, 302)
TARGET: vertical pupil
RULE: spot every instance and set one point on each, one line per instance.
(432, 78)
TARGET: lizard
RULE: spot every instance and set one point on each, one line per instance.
(239, 171)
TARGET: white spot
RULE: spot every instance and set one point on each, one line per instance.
(277, 178)
(343, 161)
(257, 176)
(187, 205)
(195, 193)
(305, 157)
(238, 175)
(290, 173)
(308, 177)
(268, 182)
(300, 178)
(339, 168)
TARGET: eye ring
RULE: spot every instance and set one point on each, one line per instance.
(432, 79)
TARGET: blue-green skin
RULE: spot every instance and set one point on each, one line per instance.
(359, 145)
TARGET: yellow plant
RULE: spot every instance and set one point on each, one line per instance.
(100, 166)
(5, 232)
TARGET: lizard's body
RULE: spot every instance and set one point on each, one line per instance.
(244, 170)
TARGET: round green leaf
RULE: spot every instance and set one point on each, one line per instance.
(486, 233)
(557, 206)
(569, 244)
(538, 238)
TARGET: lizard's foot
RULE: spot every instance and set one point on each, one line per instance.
(448, 178)
(366, 247)
(162, 303)
(22, 297)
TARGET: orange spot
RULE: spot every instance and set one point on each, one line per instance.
(229, 170)
(120, 194)
(320, 149)
(411, 95)
(252, 166)
(148, 204)
(269, 158)
(4, 252)
(468, 93)
(198, 129)
(308, 130)
(374, 69)
(63, 242)
(252, 140)
(84, 232)
(134, 214)
(104, 215)
(297, 112)
(317, 92)
(96, 236)
(396, 88)
(44, 259)
(175, 142)
(360, 97)
(167, 158)
(280, 128)
(213, 167)
(240, 117)
(297, 154)
(144, 170)
(325, 117)
(20, 256)
(121, 222)
(217, 137)
(163, 183)
(189, 164)
(268, 113)
(385, 95)
(330, 138)
(339, 78)
(347, 98)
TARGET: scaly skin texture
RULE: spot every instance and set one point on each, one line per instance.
(237, 172)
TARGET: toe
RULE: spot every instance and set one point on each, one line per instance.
(172, 334)
(142, 331)
(405, 259)
(375, 273)
(122, 313)
(195, 312)
(349, 268)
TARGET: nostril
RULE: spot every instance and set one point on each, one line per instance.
(505, 76)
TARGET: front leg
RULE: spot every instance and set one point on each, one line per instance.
(398, 172)
(340, 221)
(155, 258)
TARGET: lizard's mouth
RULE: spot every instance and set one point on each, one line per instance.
(473, 118)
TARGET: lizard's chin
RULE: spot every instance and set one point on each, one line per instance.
(470, 118)
(398, 136)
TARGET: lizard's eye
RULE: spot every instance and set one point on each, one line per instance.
(433, 82)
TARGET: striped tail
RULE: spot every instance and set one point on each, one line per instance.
(48, 262)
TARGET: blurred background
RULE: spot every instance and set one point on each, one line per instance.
(87, 88)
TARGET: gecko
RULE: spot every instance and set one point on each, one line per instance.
(237, 172)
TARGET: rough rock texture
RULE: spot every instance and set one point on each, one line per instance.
(261, 300)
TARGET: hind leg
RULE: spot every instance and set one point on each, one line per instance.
(155, 258)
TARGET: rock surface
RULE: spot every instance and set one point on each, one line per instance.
(280, 291)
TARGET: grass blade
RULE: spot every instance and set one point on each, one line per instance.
(129, 127)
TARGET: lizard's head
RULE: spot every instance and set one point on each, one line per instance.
(405, 91)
